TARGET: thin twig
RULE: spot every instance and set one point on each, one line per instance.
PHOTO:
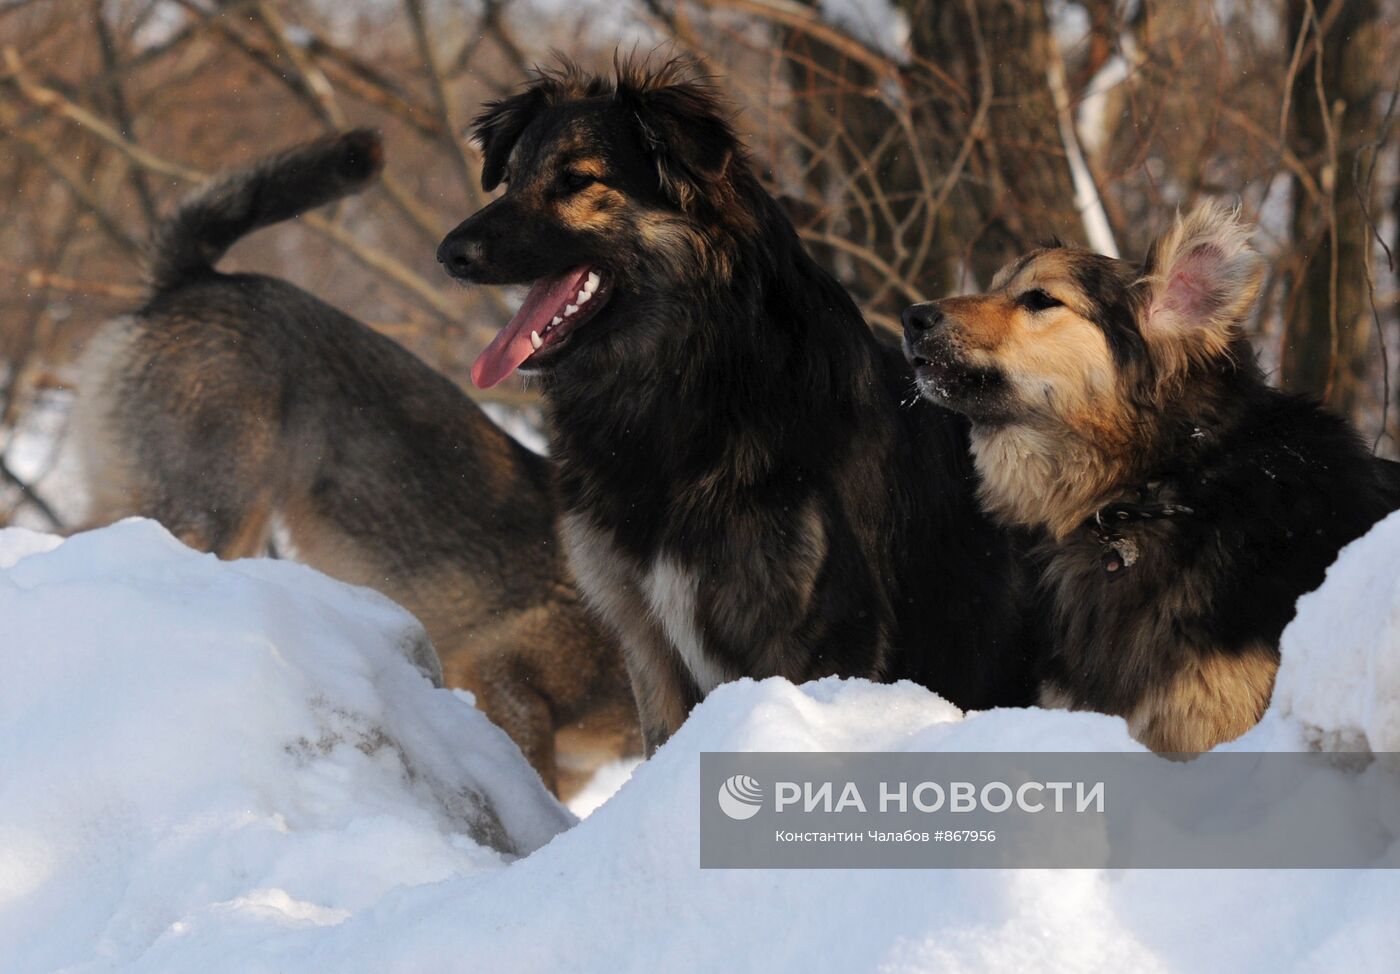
(30, 495)
(370, 257)
(1329, 131)
(810, 22)
(116, 98)
(127, 245)
(1363, 199)
(38, 278)
(442, 106)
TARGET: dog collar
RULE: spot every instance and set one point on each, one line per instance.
(1120, 552)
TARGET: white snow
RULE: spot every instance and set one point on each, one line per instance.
(525, 426)
(173, 798)
(1348, 697)
(602, 786)
(189, 744)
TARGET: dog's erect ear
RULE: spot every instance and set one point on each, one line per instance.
(498, 127)
(685, 130)
(1202, 277)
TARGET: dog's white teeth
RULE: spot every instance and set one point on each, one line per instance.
(593, 281)
(536, 340)
(570, 309)
(584, 297)
(557, 319)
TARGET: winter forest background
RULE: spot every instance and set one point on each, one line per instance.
(918, 144)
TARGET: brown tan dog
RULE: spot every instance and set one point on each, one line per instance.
(230, 402)
(1180, 505)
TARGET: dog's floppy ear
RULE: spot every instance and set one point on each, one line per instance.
(498, 127)
(1202, 277)
(685, 130)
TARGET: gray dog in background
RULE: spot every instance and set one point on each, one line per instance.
(230, 401)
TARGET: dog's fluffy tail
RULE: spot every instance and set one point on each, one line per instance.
(193, 238)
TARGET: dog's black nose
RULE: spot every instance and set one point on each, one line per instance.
(458, 255)
(922, 317)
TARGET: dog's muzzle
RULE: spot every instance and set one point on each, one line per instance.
(921, 318)
(922, 323)
(459, 255)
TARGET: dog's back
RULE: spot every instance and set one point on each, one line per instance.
(1389, 474)
(161, 381)
(229, 404)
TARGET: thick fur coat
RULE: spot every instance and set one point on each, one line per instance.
(1179, 506)
(744, 494)
(228, 403)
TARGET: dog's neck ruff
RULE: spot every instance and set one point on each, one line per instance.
(1037, 480)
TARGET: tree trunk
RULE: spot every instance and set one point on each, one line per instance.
(1018, 191)
(1329, 329)
(1014, 189)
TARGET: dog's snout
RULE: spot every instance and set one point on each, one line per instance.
(458, 254)
(920, 318)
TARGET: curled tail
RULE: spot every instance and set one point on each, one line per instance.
(216, 215)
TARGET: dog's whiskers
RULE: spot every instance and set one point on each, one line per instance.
(912, 399)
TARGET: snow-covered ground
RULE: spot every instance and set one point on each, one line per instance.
(188, 744)
(208, 767)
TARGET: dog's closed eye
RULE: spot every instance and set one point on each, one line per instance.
(574, 180)
(1037, 299)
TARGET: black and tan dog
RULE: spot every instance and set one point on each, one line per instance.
(743, 493)
(1182, 505)
(229, 401)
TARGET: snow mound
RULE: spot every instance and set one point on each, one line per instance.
(174, 798)
(17, 543)
(623, 891)
(1340, 677)
(186, 742)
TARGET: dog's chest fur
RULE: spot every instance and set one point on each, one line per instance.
(671, 593)
(634, 596)
(721, 617)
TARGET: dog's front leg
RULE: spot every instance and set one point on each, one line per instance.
(611, 583)
(661, 684)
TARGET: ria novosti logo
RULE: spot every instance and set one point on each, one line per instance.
(740, 797)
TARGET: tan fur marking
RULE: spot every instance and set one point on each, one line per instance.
(1216, 699)
(1054, 698)
(589, 166)
(676, 242)
(1032, 477)
(1067, 452)
(595, 207)
(250, 539)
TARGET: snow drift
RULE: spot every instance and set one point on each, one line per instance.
(166, 802)
(185, 741)
(1340, 679)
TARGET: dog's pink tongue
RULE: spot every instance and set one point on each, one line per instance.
(511, 346)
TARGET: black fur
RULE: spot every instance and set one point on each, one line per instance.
(723, 403)
(1275, 486)
(192, 239)
(1176, 510)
